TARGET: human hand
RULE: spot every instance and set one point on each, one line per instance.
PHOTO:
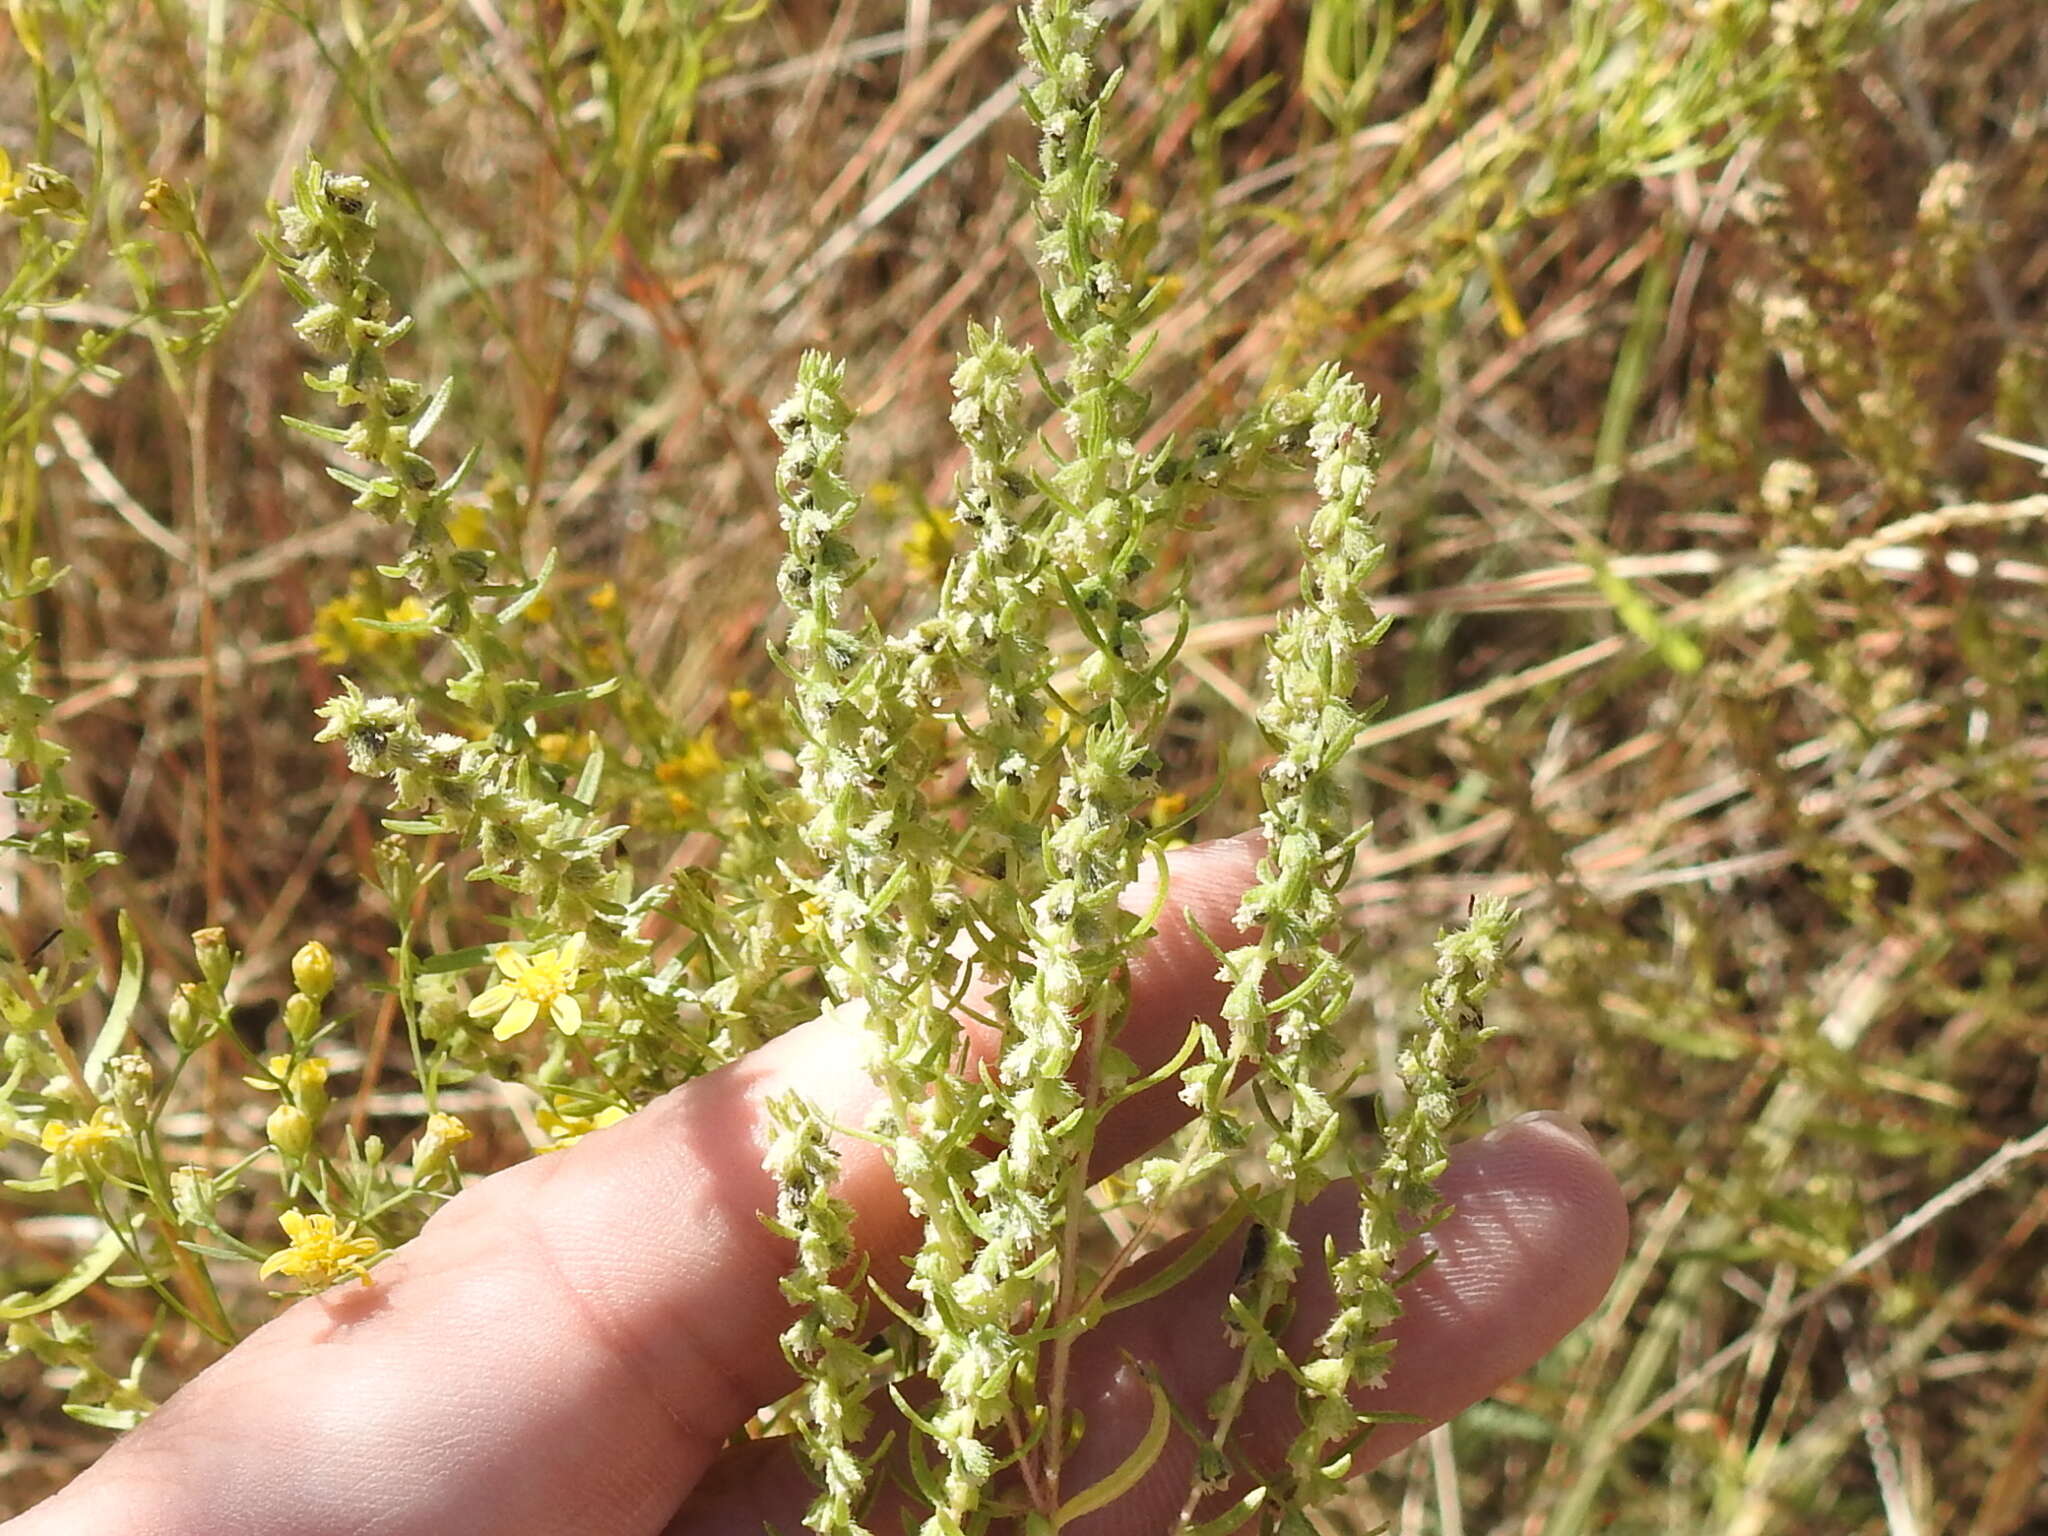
(570, 1345)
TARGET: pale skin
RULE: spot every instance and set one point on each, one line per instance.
(571, 1345)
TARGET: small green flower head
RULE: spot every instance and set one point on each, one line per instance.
(290, 1129)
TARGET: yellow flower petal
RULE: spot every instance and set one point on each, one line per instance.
(518, 1018)
(567, 1014)
(492, 1000)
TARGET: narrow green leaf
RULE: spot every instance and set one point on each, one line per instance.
(457, 960)
(430, 415)
(126, 993)
(314, 429)
(587, 782)
(1130, 1471)
(100, 1258)
(530, 593)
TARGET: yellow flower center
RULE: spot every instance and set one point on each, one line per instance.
(321, 1251)
(545, 978)
(324, 1247)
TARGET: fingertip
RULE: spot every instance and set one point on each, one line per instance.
(1536, 1231)
(1538, 1190)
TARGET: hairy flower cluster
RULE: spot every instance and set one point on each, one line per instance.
(991, 610)
(1060, 766)
(823, 1343)
(880, 920)
(325, 237)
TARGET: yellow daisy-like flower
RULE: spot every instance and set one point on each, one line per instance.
(469, 526)
(929, 545)
(543, 982)
(84, 1139)
(565, 1127)
(319, 1251)
(74, 1148)
(699, 759)
(1167, 808)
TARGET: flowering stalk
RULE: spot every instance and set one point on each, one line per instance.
(993, 606)
(1310, 722)
(883, 907)
(1055, 821)
(823, 1343)
(488, 793)
(1064, 996)
(853, 867)
(325, 239)
(1399, 1199)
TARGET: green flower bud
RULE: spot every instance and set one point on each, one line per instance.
(313, 970)
(324, 275)
(132, 1086)
(397, 875)
(194, 1196)
(441, 1011)
(301, 1018)
(402, 397)
(297, 230)
(419, 472)
(306, 1085)
(324, 328)
(290, 1130)
(216, 959)
(193, 1019)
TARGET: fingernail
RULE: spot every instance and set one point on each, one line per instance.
(1543, 1121)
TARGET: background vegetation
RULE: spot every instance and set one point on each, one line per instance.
(1710, 336)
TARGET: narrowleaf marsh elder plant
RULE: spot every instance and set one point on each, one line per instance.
(945, 829)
